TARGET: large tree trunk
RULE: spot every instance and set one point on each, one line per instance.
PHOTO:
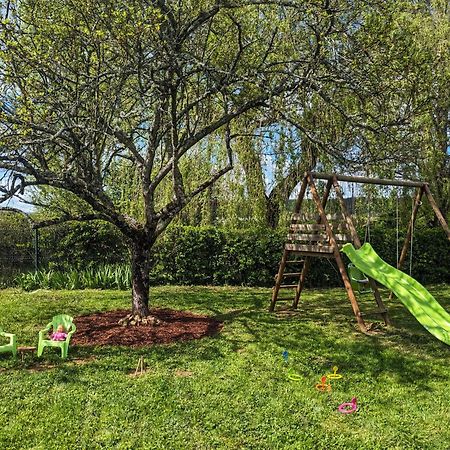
(272, 212)
(140, 283)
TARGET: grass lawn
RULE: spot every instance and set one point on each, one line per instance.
(230, 391)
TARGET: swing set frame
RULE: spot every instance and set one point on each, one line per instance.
(322, 238)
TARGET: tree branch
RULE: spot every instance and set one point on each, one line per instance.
(70, 218)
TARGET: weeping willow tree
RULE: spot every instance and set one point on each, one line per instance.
(432, 41)
(387, 113)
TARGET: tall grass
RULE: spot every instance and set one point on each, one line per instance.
(102, 277)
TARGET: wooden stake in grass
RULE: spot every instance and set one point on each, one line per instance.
(140, 368)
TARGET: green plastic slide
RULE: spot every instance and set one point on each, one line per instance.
(420, 303)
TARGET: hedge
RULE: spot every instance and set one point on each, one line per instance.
(208, 255)
(215, 256)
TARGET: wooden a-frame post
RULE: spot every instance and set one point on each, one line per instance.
(337, 254)
(357, 243)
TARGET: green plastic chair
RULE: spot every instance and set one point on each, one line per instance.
(12, 346)
(67, 322)
(358, 280)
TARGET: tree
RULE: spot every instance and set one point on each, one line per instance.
(432, 39)
(90, 85)
(384, 112)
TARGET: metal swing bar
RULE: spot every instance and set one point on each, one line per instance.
(366, 180)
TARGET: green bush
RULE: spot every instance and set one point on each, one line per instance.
(208, 255)
(214, 256)
(76, 246)
(16, 246)
(430, 252)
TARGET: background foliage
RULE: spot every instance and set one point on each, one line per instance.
(81, 256)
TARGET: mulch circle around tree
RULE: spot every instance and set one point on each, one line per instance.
(103, 328)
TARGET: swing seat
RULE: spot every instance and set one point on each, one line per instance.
(358, 280)
(67, 322)
(12, 346)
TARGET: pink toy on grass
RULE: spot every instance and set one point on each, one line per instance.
(348, 408)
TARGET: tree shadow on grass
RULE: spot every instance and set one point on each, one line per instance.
(323, 332)
(319, 334)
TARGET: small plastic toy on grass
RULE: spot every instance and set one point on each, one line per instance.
(323, 386)
(293, 376)
(348, 408)
(334, 375)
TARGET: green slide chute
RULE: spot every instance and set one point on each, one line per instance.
(420, 303)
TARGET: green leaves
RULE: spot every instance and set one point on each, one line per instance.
(102, 277)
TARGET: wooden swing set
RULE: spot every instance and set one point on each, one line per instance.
(322, 236)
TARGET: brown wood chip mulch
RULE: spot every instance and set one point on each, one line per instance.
(103, 329)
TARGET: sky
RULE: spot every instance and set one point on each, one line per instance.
(16, 203)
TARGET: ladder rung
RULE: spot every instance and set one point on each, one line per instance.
(287, 275)
(307, 227)
(288, 286)
(309, 248)
(298, 261)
